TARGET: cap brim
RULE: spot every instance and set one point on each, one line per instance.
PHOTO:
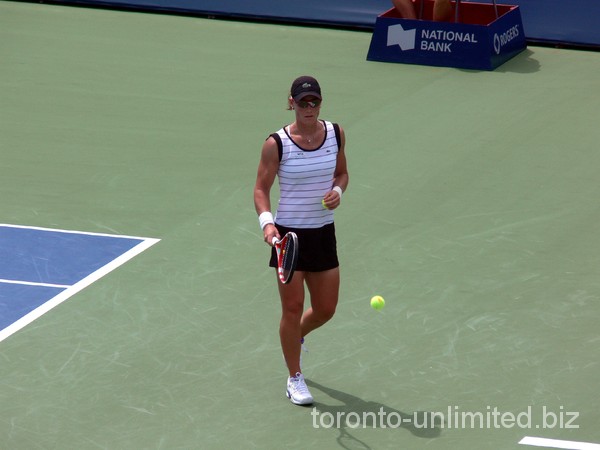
(306, 94)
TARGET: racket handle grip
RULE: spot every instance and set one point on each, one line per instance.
(274, 240)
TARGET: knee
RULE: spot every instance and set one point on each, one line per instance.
(324, 313)
(292, 310)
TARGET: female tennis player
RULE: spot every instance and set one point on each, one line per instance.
(308, 158)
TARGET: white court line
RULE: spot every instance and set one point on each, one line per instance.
(58, 230)
(83, 283)
(32, 283)
(556, 443)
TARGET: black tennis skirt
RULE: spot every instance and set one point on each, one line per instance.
(317, 248)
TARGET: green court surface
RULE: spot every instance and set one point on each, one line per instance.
(472, 208)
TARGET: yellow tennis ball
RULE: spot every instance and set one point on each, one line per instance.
(323, 203)
(377, 302)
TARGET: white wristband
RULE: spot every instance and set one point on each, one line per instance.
(265, 219)
(338, 190)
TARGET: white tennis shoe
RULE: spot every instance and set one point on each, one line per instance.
(297, 391)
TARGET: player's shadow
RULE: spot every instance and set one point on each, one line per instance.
(353, 410)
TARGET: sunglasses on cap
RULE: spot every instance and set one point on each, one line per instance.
(304, 104)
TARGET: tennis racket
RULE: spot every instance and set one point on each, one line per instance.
(287, 256)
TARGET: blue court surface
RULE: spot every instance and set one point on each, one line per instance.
(40, 268)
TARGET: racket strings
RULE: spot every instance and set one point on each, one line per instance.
(288, 255)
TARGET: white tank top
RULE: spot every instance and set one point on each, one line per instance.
(305, 176)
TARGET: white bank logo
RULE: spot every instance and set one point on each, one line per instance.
(430, 40)
(401, 37)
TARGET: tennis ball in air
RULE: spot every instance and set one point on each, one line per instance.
(377, 302)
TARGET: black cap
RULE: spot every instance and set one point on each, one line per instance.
(305, 86)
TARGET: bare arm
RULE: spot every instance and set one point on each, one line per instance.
(340, 177)
(267, 170)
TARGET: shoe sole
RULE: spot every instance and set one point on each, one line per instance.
(308, 402)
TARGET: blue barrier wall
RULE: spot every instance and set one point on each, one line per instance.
(575, 22)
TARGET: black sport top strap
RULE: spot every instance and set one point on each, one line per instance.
(338, 138)
(279, 144)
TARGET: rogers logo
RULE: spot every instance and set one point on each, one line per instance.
(500, 40)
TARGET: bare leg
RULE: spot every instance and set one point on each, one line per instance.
(442, 10)
(292, 306)
(324, 293)
(405, 8)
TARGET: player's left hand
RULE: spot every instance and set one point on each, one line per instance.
(332, 200)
